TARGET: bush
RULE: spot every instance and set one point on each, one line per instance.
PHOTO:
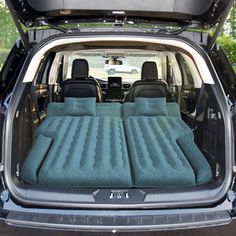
(228, 43)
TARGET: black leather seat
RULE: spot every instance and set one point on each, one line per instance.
(80, 85)
(149, 86)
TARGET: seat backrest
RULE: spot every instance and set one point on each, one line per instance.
(149, 86)
(81, 85)
(149, 71)
(80, 69)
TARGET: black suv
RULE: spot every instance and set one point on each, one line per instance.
(84, 150)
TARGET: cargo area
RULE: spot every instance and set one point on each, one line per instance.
(117, 126)
(140, 144)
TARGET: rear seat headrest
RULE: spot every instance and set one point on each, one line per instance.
(149, 71)
(80, 69)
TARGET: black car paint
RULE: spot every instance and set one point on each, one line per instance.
(116, 221)
(10, 206)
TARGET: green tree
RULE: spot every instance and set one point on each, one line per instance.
(8, 32)
(228, 43)
(232, 21)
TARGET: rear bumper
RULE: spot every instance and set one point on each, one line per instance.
(117, 221)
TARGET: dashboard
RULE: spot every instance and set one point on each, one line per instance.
(114, 88)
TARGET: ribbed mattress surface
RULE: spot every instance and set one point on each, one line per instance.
(163, 152)
(115, 148)
(81, 151)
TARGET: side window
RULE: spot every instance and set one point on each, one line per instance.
(169, 72)
(44, 70)
(187, 94)
(42, 89)
(187, 78)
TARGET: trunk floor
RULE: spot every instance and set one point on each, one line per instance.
(107, 152)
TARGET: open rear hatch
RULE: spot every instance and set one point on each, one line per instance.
(64, 14)
(202, 13)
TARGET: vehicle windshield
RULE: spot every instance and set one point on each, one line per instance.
(127, 65)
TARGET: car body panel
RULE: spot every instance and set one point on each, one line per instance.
(8, 78)
(115, 221)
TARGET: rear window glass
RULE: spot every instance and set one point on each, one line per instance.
(128, 67)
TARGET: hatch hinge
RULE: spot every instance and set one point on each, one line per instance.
(220, 25)
(23, 35)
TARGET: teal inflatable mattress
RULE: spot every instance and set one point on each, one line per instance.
(163, 153)
(85, 144)
(79, 151)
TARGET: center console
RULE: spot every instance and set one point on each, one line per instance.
(114, 89)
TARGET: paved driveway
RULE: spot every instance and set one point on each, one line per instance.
(229, 230)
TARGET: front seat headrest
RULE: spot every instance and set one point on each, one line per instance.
(80, 69)
(149, 71)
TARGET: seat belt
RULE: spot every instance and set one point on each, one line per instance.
(35, 101)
